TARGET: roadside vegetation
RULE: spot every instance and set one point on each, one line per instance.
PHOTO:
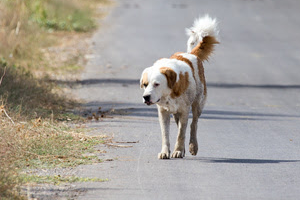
(34, 113)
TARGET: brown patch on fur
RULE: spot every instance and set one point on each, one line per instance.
(177, 53)
(201, 74)
(181, 85)
(170, 75)
(144, 80)
(187, 61)
(205, 48)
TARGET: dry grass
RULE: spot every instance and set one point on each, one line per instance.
(33, 132)
(57, 179)
(30, 134)
(39, 144)
(28, 97)
(43, 144)
(27, 27)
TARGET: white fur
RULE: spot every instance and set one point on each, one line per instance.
(157, 91)
(161, 94)
(202, 27)
(179, 106)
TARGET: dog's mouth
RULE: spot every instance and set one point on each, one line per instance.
(149, 103)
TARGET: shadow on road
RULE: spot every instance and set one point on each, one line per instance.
(252, 86)
(143, 111)
(213, 85)
(241, 161)
(98, 81)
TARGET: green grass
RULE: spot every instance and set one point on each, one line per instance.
(57, 147)
(57, 179)
(28, 26)
(57, 15)
(63, 15)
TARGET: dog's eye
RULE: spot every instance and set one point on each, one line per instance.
(192, 43)
(145, 85)
(156, 84)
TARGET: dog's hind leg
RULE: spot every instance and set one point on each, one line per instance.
(164, 120)
(197, 110)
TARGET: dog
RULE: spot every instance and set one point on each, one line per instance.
(177, 84)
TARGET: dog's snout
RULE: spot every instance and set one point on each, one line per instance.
(147, 98)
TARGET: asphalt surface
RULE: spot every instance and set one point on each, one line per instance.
(248, 134)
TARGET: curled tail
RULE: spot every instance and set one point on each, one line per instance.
(203, 34)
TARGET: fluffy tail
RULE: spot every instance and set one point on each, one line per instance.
(203, 34)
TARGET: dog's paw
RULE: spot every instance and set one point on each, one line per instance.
(178, 154)
(165, 152)
(193, 148)
(163, 155)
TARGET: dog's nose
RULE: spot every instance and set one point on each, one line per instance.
(146, 98)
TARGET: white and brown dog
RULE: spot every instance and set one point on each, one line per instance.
(177, 83)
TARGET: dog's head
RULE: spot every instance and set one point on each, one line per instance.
(157, 83)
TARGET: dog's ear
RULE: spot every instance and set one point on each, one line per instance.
(170, 75)
(144, 79)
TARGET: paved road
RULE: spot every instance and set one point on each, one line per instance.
(249, 133)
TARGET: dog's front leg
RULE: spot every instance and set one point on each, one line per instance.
(179, 150)
(164, 120)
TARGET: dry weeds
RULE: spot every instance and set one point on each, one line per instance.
(31, 135)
